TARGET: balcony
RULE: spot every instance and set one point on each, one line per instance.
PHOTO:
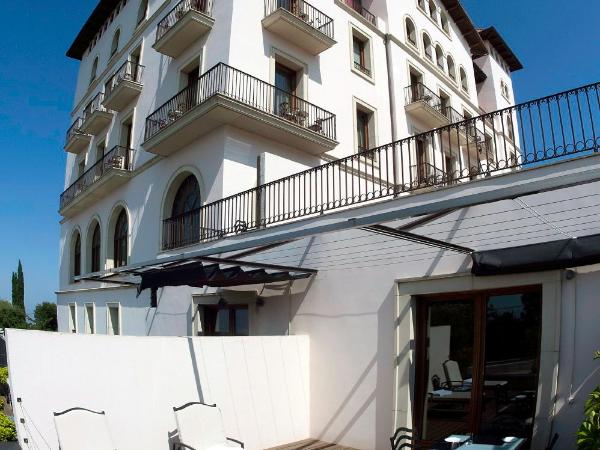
(123, 87)
(111, 171)
(76, 140)
(182, 26)
(357, 6)
(95, 116)
(300, 23)
(426, 106)
(225, 95)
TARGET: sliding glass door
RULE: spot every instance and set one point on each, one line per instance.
(477, 364)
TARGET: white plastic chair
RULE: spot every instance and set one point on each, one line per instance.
(200, 427)
(82, 429)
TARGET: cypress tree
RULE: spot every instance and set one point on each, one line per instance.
(18, 287)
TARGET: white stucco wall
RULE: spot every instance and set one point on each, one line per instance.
(260, 384)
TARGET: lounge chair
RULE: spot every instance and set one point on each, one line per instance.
(200, 427)
(82, 429)
(455, 380)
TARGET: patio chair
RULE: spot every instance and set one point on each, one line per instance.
(455, 380)
(82, 429)
(402, 438)
(200, 427)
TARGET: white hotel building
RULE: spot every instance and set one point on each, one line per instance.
(212, 141)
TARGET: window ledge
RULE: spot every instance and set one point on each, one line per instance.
(370, 79)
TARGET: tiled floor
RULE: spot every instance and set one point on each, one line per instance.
(311, 444)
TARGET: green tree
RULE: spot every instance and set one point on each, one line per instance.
(18, 288)
(588, 436)
(11, 316)
(44, 317)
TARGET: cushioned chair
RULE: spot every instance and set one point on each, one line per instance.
(454, 378)
(82, 429)
(200, 427)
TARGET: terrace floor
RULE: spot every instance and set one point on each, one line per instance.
(311, 444)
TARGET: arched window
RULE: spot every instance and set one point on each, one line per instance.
(120, 240)
(427, 47)
(95, 249)
(94, 71)
(183, 228)
(464, 84)
(115, 42)
(76, 271)
(439, 54)
(421, 4)
(444, 21)
(142, 11)
(411, 32)
(433, 10)
(451, 68)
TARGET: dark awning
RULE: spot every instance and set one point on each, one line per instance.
(538, 257)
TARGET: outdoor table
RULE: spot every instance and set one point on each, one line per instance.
(514, 445)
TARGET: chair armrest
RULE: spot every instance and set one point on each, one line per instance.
(181, 446)
(236, 441)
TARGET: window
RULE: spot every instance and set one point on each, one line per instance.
(504, 90)
(464, 84)
(411, 32)
(76, 255)
(72, 318)
(439, 54)
(90, 318)
(361, 54)
(421, 4)
(80, 168)
(444, 21)
(510, 128)
(365, 127)
(433, 11)
(95, 249)
(94, 70)
(225, 320)
(120, 240)
(427, 48)
(142, 11)
(451, 68)
(113, 319)
(115, 42)
(285, 95)
(100, 148)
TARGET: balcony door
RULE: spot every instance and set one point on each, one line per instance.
(478, 364)
(285, 94)
(185, 216)
(229, 320)
(421, 160)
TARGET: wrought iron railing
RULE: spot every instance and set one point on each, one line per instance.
(357, 6)
(129, 71)
(451, 114)
(549, 129)
(305, 11)
(74, 129)
(358, 66)
(241, 87)
(179, 11)
(119, 158)
(94, 105)
(418, 92)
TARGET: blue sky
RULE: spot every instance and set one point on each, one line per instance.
(557, 42)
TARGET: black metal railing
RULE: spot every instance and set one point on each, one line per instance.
(129, 71)
(549, 129)
(241, 87)
(304, 11)
(418, 92)
(74, 129)
(451, 114)
(357, 6)
(179, 11)
(118, 158)
(358, 66)
(94, 105)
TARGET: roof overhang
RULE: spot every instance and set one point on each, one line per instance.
(93, 24)
(466, 27)
(493, 37)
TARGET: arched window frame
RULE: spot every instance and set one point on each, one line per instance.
(439, 56)
(464, 82)
(120, 239)
(427, 46)
(411, 30)
(451, 67)
(444, 22)
(94, 71)
(76, 254)
(96, 248)
(142, 12)
(433, 11)
(114, 47)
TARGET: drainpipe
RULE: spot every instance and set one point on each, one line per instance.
(391, 90)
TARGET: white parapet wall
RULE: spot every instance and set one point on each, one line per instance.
(261, 385)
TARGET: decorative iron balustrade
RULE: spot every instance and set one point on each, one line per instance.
(94, 105)
(180, 10)
(241, 87)
(418, 92)
(451, 114)
(549, 129)
(118, 158)
(358, 66)
(304, 11)
(74, 129)
(357, 6)
(129, 71)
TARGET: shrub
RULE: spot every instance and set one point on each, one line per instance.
(8, 432)
(588, 436)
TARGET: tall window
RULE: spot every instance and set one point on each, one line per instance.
(427, 47)
(433, 11)
(95, 249)
(464, 84)
(113, 319)
(411, 32)
(451, 68)
(510, 128)
(363, 129)
(186, 212)
(120, 239)
(358, 53)
(439, 54)
(444, 21)
(77, 256)
(94, 71)
(142, 11)
(115, 42)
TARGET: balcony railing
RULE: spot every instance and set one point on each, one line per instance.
(74, 130)
(451, 114)
(358, 66)
(119, 158)
(180, 10)
(129, 71)
(418, 92)
(241, 87)
(357, 6)
(304, 11)
(94, 105)
(549, 129)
